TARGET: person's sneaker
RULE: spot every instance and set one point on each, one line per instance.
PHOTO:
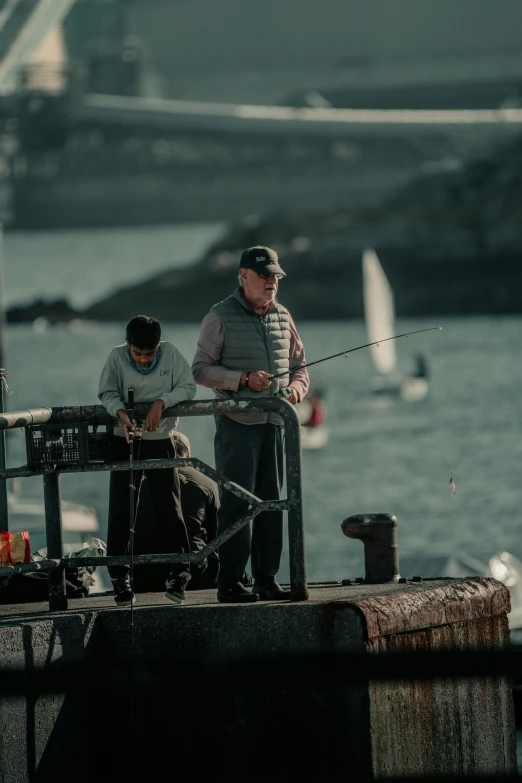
(233, 591)
(176, 585)
(269, 589)
(123, 594)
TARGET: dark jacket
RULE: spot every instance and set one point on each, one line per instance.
(199, 502)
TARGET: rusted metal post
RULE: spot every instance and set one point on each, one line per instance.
(296, 542)
(378, 532)
(53, 529)
(2, 311)
(4, 516)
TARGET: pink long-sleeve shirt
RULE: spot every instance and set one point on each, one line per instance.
(208, 372)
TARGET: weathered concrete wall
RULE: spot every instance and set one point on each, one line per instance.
(218, 719)
(27, 722)
(444, 727)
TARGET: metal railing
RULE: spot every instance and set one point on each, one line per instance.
(97, 415)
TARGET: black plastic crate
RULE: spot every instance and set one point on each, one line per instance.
(68, 444)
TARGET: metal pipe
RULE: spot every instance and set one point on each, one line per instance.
(29, 568)
(378, 532)
(96, 414)
(192, 557)
(53, 531)
(4, 514)
(9, 421)
(155, 464)
(296, 540)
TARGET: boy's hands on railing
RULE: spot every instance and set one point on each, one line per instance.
(127, 424)
(153, 419)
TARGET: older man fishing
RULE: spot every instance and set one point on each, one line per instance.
(245, 341)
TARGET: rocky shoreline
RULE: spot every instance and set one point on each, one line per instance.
(450, 244)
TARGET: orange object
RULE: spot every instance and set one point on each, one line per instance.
(14, 548)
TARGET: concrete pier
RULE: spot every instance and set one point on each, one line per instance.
(222, 702)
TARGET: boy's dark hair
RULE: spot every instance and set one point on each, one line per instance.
(143, 331)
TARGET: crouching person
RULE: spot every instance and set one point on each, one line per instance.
(199, 503)
(158, 373)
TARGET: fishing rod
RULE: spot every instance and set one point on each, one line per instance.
(351, 350)
(130, 412)
(133, 436)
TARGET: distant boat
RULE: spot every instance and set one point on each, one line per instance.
(379, 313)
(312, 415)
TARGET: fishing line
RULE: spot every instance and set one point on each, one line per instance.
(132, 521)
(450, 450)
(367, 345)
(133, 502)
(133, 515)
(351, 350)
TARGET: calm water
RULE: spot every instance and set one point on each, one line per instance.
(85, 265)
(383, 455)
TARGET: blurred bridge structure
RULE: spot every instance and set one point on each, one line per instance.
(24, 27)
(83, 143)
(173, 115)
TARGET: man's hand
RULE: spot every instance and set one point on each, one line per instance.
(153, 419)
(127, 424)
(258, 381)
(293, 398)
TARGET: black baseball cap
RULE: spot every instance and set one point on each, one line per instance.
(261, 259)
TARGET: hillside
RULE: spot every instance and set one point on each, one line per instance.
(450, 243)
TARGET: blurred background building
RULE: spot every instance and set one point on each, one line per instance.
(395, 125)
(121, 162)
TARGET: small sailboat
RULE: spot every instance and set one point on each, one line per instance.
(379, 313)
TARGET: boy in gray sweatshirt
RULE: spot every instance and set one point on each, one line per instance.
(157, 372)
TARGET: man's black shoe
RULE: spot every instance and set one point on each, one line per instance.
(176, 584)
(233, 592)
(123, 594)
(270, 590)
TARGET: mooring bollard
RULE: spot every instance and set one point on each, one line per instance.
(378, 532)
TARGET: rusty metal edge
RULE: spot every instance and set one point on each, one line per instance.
(427, 606)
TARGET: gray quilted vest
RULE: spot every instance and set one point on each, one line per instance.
(253, 342)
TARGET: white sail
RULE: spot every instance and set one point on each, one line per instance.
(379, 312)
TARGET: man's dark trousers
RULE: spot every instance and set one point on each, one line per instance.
(252, 456)
(164, 491)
